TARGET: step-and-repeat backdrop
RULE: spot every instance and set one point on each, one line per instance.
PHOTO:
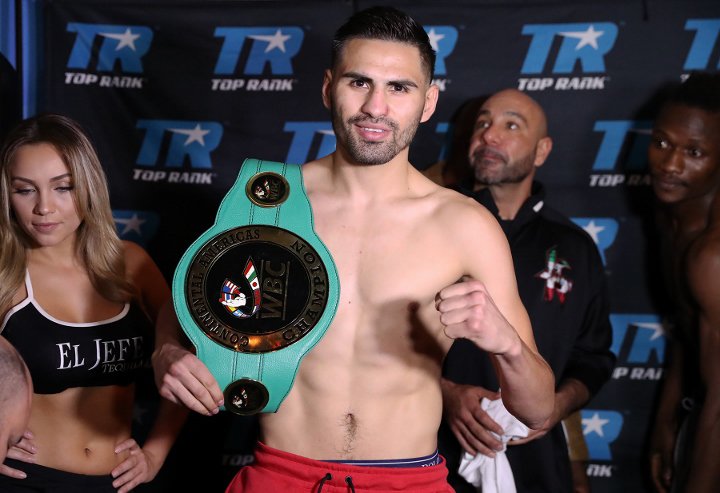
(175, 94)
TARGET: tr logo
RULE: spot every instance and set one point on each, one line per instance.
(192, 139)
(601, 428)
(634, 135)
(303, 138)
(581, 42)
(638, 338)
(138, 226)
(124, 44)
(442, 40)
(273, 46)
(706, 37)
(603, 231)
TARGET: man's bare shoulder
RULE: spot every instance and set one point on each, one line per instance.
(703, 260)
(316, 174)
(457, 209)
(703, 279)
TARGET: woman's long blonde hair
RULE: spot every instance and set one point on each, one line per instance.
(97, 245)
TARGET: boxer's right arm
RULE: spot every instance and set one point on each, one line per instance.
(179, 375)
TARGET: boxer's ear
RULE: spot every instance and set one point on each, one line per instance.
(327, 84)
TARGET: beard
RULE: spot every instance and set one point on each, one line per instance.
(494, 168)
(372, 153)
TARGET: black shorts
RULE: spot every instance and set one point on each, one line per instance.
(48, 480)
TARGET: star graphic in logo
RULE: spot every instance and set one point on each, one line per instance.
(125, 39)
(594, 425)
(587, 38)
(277, 40)
(657, 328)
(434, 38)
(593, 229)
(131, 224)
(196, 134)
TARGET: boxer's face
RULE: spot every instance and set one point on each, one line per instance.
(684, 154)
(378, 94)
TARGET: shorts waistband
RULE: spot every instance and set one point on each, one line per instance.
(424, 461)
(277, 470)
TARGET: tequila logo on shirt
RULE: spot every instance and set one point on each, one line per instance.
(111, 355)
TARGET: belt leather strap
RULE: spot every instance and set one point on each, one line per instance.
(259, 289)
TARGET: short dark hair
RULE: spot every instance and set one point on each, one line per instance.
(700, 90)
(386, 24)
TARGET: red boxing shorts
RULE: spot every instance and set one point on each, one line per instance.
(278, 471)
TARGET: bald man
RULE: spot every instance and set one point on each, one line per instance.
(562, 285)
(15, 399)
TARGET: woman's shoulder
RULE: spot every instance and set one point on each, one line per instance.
(133, 252)
(135, 256)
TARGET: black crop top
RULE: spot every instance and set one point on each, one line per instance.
(61, 355)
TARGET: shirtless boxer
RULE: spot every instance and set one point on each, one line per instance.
(684, 158)
(419, 266)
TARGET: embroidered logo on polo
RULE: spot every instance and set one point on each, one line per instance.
(284, 295)
(557, 285)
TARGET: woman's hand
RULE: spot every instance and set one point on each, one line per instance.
(24, 451)
(139, 467)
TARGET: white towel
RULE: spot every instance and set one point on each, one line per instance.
(494, 475)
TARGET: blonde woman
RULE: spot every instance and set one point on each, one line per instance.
(79, 305)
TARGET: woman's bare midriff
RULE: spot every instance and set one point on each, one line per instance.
(78, 429)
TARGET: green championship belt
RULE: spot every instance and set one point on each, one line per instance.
(257, 290)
